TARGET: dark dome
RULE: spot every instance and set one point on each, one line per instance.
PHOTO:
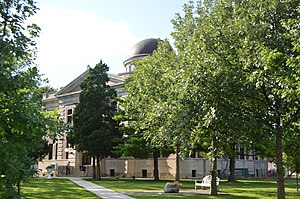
(141, 49)
(144, 47)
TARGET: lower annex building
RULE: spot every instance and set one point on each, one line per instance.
(61, 153)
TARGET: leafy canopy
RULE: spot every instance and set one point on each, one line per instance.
(23, 120)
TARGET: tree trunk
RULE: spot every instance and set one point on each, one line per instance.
(231, 176)
(297, 181)
(177, 164)
(213, 189)
(279, 165)
(19, 188)
(98, 169)
(155, 164)
(94, 167)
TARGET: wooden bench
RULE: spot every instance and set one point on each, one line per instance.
(206, 182)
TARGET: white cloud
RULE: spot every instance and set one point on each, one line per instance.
(72, 39)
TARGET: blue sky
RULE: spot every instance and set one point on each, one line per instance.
(77, 33)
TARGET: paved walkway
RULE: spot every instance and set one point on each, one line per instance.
(99, 190)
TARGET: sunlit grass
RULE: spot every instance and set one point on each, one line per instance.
(54, 188)
(245, 189)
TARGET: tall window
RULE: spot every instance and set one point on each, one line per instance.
(50, 151)
(242, 153)
(69, 117)
(56, 150)
(67, 152)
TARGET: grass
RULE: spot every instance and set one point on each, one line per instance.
(244, 189)
(54, 188)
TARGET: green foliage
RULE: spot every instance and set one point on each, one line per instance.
(16, 40)
(153, 101)
(132, 143)
(242, 66)
(55, 126)
(292, 153)
(22, 118)
(47, 89)
(94, 128)
(234, 79)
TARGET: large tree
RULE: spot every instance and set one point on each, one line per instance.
(250, 49)
(154, 102)
(94, 128)
(234, 79)
(22, 120)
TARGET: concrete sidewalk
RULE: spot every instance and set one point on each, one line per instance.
(98, 190)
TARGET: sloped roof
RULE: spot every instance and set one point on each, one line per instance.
(74, 86)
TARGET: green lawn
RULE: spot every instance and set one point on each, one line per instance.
(245, 189)
(54, 188)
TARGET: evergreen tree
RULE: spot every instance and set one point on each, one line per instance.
(94, 128)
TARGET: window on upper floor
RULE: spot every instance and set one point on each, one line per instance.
(70, 117)
(50, 155)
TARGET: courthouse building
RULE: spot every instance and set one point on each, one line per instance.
(61, 153)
